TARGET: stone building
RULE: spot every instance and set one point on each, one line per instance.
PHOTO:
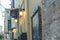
(51, 19)
(50, 12)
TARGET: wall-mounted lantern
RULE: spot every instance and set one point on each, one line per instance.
(14, 13)
(21, 12)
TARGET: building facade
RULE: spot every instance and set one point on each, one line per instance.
(6, 25)
(25, 21)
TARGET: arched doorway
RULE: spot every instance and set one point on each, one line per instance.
(36, 24)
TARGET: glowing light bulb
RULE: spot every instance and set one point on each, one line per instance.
(16, 20)
(21, 13)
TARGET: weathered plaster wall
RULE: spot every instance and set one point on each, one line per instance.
(51, 19)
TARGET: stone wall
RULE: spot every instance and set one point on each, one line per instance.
(51, 19)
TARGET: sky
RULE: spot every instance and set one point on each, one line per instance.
(5, 4)
(1, 18)
(1, 21)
